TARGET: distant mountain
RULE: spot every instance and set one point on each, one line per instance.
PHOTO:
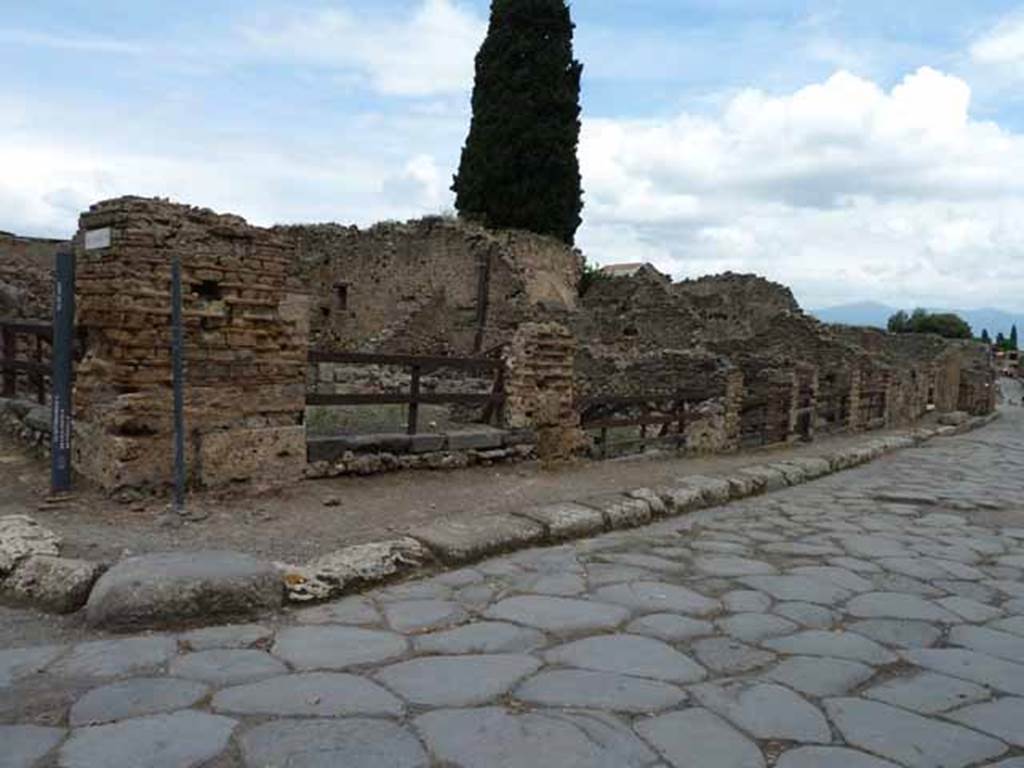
(872, 313)
(868, 313)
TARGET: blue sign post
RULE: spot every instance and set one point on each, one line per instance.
(63, 357)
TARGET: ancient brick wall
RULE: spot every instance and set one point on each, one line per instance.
(539, 386)
(770, 397)
(432, 286)
(977, 394)
(26, 275)
(246, 337)
(924, 370)
(704, 390)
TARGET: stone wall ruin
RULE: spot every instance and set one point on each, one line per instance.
(26, 275)
(246, 330)
(733, 355)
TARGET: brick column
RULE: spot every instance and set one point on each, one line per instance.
(854, 421)
(246, 338)
(540, 391)
(734, 391)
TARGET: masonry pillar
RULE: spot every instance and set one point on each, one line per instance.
(854, 420)
(734, 393)
(539, 385)
(246, 340)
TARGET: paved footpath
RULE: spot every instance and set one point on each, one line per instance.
(871, 619)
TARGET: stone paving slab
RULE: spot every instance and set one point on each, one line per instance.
(735, 637)
(24, 745)
(179, 740)
(908, 738)
(135, 698)
(696, 738)
(355, 743)
(313, 694)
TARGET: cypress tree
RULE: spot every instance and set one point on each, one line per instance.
(519, 166)
(985, 337)
(1013, 339)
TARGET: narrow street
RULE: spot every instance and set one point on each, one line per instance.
(874, 618)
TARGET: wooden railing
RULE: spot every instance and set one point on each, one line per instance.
(18, 337)
(763, 423)
(418, 366)
(660, 418)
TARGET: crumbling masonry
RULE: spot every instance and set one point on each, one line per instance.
(732, 359)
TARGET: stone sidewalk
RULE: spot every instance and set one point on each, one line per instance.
(873, 618)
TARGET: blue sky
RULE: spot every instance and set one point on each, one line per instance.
(850, 149)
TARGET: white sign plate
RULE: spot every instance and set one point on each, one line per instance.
(97, 238)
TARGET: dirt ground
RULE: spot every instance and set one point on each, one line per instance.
(315, 517)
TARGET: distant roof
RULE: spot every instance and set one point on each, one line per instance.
(623, 270)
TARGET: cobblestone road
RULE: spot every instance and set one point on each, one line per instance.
(875, 618)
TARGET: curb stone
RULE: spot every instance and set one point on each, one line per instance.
(463, 540)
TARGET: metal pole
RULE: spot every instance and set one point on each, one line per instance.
(63, 353)
(177, 363)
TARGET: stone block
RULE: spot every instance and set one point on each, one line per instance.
(654, 501)
(326, 449)
(520, 437)
(773, 479)
(273, 455)
(954, 419)
(157, 590)
(794, 474)
(56, 584)
(362, 564)
(812, 468)
(683, 498)
(743, 486)
(39, 420)
(335, 447)
(477, 439)
(620, 511)
(714, 490)
(22, 537)
(464, 539)
(426, 443)
(566, 521)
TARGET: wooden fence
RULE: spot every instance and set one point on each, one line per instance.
(418, 366)
(764, 421)
(25, 352)
(660, 419)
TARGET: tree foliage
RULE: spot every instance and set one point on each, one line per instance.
(947, 325)
(519, 166)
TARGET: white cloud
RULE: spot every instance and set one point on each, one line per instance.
(52, 176)
(430, 52)
(419, 186)
(1002, 45)
(841, 189)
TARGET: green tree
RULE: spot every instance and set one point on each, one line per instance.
(899, 323)
(1013, 339)
(1000, 340)
(985, 337)
(947, 325)
(921, 321)
(519, 166)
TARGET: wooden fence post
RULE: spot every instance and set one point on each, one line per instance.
(10, 376)
(414, 400)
